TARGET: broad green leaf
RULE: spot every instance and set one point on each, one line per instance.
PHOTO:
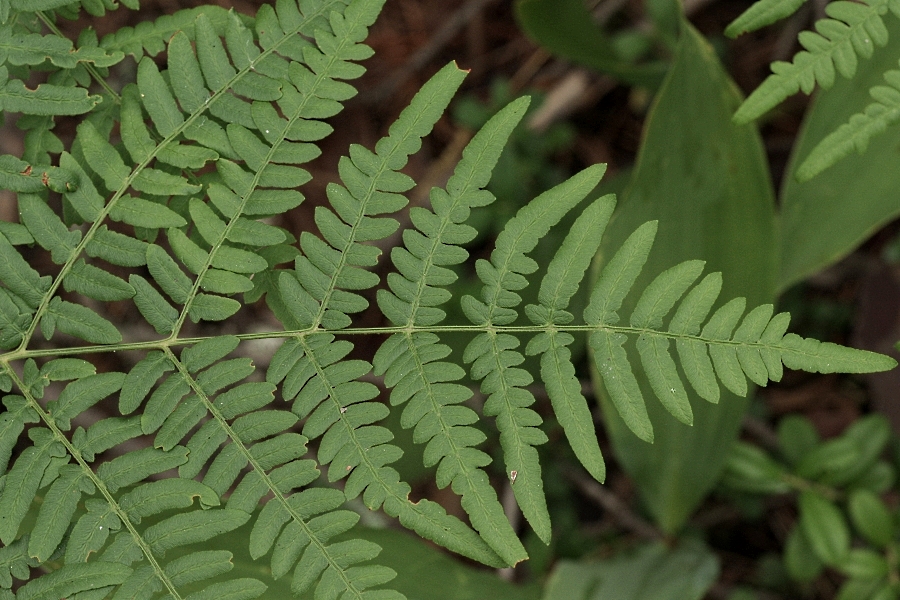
(652, 572)
(168, 274)
(825, 527)
(152, 305)
(154, 181)
(871, 517)
(57, 510)
(18, 275)
(82, 394)
(157, 98)
(141, 378)
(567, 28)
(18, 176)
(710, 210)
(85, 199)
(117, 249)
(70, 579)
(825, 218)
(137, 465)
(192, 527)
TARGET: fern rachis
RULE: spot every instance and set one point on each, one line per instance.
(172, 221)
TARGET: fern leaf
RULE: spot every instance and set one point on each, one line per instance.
(760, 14)
(45, 99)
(150, 37)
(19, 176)
(57, 511)
(33, 49)
(852, 29)
(492, 355)
(725, 349)
(71, 579)
(411, 363)
(858, 130)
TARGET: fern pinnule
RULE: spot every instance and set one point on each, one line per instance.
(149, 38)
(852, 29)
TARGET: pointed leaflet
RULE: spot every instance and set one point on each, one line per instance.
(157, 98)
(102, 157)
(425, 388)
(654, 304)
(414, 294)
(82, 322)
(48, 230)
(564, 274)
(856, 133)
(707, 211)
(760, 14)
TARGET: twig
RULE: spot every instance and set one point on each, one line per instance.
(612, 504)
(423, 55)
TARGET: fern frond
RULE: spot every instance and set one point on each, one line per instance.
(412, 363)
(325, 391)
(753, 347)
(853, 29)
(493, 355)
(150, 38)
(858, 130)
(564, 274)
(165, 196)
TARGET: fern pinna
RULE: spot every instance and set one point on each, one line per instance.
(160, 202)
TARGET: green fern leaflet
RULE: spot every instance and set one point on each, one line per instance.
(159, 208)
